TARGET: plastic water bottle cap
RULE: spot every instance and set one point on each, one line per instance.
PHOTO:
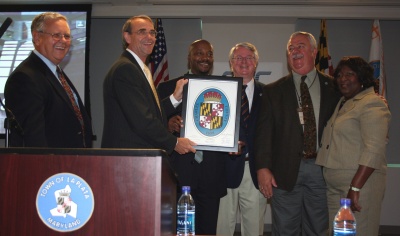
(345, 202)
(185, 188)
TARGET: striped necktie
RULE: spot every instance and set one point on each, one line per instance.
(245, 114)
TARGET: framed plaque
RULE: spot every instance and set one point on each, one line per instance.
(211, 112)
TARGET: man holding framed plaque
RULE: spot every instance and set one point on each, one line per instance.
(134, 116)
(206, 177)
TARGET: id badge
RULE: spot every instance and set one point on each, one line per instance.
(301, 117)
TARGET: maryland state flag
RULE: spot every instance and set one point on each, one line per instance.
(376, 57)
(323, 61)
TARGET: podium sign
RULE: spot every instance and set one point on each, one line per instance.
(86, 192)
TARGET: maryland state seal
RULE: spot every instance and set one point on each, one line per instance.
(211, 112)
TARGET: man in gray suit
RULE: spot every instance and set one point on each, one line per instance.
(286, 171)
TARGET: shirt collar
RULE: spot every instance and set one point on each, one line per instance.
(46, 61)
(310, 76)
(250, 84)
(139, 61)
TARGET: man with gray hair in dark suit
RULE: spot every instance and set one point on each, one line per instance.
(293, 112)
(42, 98)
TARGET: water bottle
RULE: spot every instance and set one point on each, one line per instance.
(185, 213)
(344, 222)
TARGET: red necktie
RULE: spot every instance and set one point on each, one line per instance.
(68, 90)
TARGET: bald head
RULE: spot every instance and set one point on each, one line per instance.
(201, 57)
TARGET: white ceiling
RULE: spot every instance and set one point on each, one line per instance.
(258, 2)
(217, 2)
(238, 10)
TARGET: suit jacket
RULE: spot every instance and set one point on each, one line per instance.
(43, 109)
(210, 174)
(357, 134)
(235, 164)
(165, 89)
(132, 118)
(279, 135)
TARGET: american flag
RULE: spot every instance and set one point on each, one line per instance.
(158, 62)
(323, 61)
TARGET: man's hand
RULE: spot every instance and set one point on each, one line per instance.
(184, 146)
(179, 89)
(175, 124)
(241, 147)
(265, 182)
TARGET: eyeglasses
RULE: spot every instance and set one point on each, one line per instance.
(58, 36)
(240, 59)
(347, 75)
(143, 32)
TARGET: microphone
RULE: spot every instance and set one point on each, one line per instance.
(5, 26)
(13, 121)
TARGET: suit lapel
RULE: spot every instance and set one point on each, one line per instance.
(53, 80)
(329, 100)
(327, 95)
(293, 103)
(257, 95)
(130, 57)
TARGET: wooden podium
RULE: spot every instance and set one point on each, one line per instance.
(134, 191)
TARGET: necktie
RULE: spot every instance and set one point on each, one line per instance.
(68, 90)
(310, 129)
(198, 156)
(245, 114)
(150, 80)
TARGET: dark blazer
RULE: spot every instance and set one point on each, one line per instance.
(132, 118)
(235, 164)
(279, 136)
(210, 174)
(43, 109)
(165, 89)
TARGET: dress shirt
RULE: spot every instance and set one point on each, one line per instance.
(53, 68)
